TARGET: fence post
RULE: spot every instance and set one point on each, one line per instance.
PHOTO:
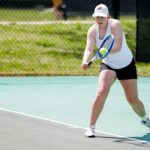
(137, 29)
(143, 31)
(116, 8)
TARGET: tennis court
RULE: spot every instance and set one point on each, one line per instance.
(53, 112)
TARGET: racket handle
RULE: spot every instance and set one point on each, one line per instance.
(90, 63)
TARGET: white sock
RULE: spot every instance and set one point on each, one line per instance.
(144, 118)
(92, 126)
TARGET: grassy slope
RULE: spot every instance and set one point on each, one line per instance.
(50, 49)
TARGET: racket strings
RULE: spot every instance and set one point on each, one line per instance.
(108, 44)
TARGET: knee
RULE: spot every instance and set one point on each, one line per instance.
(102, 91)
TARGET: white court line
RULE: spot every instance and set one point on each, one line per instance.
(74, 126)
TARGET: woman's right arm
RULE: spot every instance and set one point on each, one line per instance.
(89, 46)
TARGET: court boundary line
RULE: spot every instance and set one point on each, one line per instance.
(72, 126)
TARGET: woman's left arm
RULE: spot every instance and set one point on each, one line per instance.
(118, 35)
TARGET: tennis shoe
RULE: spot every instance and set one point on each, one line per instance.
(90, 132)
(146, 123)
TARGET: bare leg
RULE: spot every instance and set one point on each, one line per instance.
(130, 89)
(106, 79)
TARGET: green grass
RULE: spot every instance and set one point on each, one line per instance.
(14, 15)
(50, 49)
(25, 15)
(54, 49)
(129, 26)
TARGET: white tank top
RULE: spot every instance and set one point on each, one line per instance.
(119, 59)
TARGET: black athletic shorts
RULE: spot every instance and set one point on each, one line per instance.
(128, 72)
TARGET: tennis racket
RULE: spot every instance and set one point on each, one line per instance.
(107, 44)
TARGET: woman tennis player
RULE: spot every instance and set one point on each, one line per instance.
(119, 64)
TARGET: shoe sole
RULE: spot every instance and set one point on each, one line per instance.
(91, 136)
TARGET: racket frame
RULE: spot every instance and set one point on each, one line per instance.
(98, 55)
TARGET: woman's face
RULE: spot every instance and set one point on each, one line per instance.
(102, 21)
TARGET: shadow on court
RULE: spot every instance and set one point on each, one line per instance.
(129, 141)
(19, 131)
(146, 137)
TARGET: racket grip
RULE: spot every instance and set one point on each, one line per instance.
(90, 63)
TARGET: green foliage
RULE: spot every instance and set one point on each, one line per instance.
(50, 49)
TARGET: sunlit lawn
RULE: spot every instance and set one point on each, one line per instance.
(53, 49)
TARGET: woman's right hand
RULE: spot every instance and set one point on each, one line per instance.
(85, 66)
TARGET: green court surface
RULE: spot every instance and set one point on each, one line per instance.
(68, 100)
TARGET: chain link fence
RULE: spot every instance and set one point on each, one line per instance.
(34, 40)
